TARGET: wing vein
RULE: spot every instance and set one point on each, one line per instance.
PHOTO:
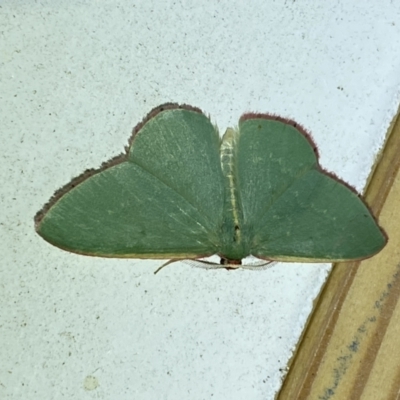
(280, 194)
(183, 198)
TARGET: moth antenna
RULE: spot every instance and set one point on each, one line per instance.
(260, 266)
(165, 264)
(205, 264)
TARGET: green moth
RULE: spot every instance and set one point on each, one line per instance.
(182, 192)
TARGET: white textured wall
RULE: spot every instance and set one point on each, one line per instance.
(75, 78)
